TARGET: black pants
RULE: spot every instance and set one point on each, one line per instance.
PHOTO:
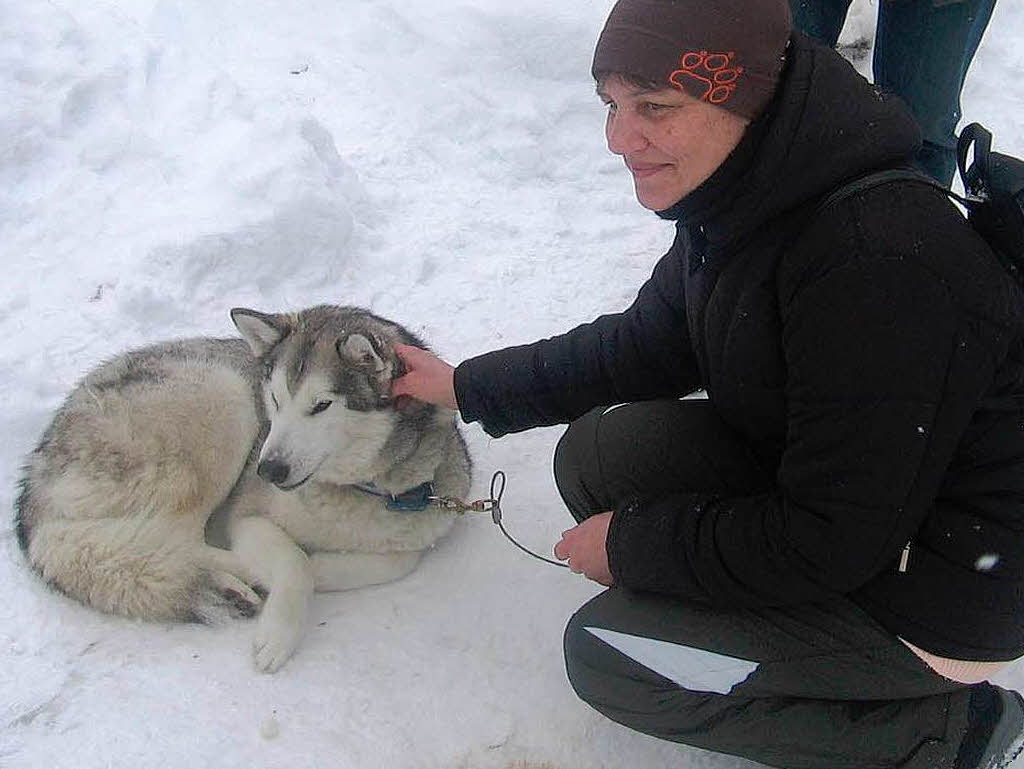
(817, 686)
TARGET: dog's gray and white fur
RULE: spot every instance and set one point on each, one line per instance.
(177, 477)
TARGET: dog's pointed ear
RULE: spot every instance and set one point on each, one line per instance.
(260, 330)
(370, 356)
(359, 350)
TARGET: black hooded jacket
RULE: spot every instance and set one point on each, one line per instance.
(873, 352)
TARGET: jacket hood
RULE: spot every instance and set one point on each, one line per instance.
(826, 125)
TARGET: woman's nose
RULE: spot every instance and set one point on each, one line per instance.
(624, 134)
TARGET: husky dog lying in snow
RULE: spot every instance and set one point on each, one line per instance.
(176, 478)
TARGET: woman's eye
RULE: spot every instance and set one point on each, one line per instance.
(320, 406)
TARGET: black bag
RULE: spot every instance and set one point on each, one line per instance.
(995, 196)
(994, 186)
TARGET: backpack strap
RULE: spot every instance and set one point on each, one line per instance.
(976, 175)
(877, 179)
(994, 202)
(987, 175)
(1000, 222)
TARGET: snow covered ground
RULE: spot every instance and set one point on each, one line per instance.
(438, 161)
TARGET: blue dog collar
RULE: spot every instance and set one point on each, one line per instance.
(412, 501)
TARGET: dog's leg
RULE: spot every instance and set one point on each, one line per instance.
(218, 559)
(284, 570)
(243, 600)
(344, 571)
(230, 580)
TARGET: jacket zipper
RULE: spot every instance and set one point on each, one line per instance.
(904, 559)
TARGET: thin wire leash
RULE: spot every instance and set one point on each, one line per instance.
(490, 505)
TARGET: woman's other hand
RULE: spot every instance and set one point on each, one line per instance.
(584, 547)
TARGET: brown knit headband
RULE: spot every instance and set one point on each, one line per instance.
(726, 52)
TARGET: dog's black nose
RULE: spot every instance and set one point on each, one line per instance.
(273, 471)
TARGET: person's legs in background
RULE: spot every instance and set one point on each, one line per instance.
(821, 19)
(923, 49)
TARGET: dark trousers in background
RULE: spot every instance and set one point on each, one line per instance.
(820, 686)
(923, 49)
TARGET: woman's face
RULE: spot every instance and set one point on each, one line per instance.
(670, 141)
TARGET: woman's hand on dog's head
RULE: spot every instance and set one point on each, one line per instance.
(427, 378)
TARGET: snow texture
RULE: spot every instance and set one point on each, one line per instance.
(439, 162)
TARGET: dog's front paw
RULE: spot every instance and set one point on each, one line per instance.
(280, 628)
(240, 599)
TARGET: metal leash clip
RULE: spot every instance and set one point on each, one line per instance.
(459, 507)
(491, 505)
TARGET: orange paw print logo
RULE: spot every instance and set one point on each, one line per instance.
(710, 71)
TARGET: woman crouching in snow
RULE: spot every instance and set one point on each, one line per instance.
(820, 564)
